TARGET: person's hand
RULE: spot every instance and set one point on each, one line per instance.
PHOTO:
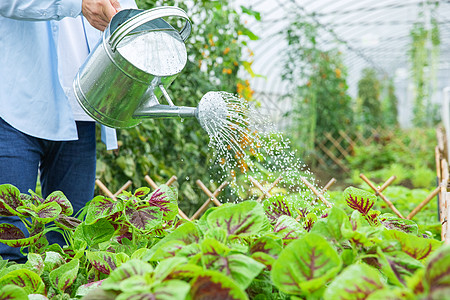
(99, 12)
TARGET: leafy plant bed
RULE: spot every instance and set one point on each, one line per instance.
(405, 200)
(137, 248)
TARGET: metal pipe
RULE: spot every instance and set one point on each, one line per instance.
(159, 111)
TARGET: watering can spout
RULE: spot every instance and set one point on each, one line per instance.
(165, 111)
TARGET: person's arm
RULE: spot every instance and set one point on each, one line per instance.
(97, 12)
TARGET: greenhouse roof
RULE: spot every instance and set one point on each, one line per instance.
(369, 33)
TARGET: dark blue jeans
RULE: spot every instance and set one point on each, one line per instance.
(67, 166)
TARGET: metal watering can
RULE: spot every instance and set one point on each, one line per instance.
(124, 76)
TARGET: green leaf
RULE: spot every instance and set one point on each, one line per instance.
(14, 237)
(393, 222)
(142, 191)
(397, 266)
(268, 245)
(67, 223)
(185, 234)
(101, 207)
(332, 226)
(61, 199)
(356, 282)
(392, 294)
(13, 292)
(168, 290)
(305, 265)
(65, 275)
(166, 199)
(52, 261)
(215, 285)
(24, 278)
(288, 229)
(96, 233)
(133, 267)
(48, 212)
(35, 263)
(104, 262)
(417, 247)
(143, 218)
(171, 289)
(242, 219)
(241, 268)
(85, 289)
(359, 200)
(10, 200)
(166, 266)
(251, 12)
(437, 274)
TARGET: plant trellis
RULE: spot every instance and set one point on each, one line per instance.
(380, 189)
(212, 198)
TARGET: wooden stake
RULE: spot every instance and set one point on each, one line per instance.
(123, 188)
(314, 190)
(328, 185)
(437, 157)
(386, 184)
(105, 189)
(423, 203)
(208, 192)
(262, 189)
(274, 184)
(205, 205)
(171, 180)
(378, 193)
(151, 182)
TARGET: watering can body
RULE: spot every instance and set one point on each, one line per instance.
(125, 75)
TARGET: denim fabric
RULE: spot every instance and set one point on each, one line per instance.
(67, 166)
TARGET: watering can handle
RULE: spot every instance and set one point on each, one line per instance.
(149, 15)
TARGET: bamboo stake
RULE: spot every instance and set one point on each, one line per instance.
(208, 192)
(377, 191)
(386, 184)
(260, 187)
(171, 180)
(274, 184)
(424, 202)
(104, 189)
(205, 205)
(151, 182)
(437, 157)
(314, 190)
(123, 188)
(328, 185)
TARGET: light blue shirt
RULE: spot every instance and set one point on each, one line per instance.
(32, 99)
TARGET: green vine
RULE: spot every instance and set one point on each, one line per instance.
(424, 56)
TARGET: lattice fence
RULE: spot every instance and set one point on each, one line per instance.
(334, 149)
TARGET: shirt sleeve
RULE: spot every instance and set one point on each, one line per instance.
(39, 10)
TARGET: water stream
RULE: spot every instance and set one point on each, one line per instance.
(245, 143)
